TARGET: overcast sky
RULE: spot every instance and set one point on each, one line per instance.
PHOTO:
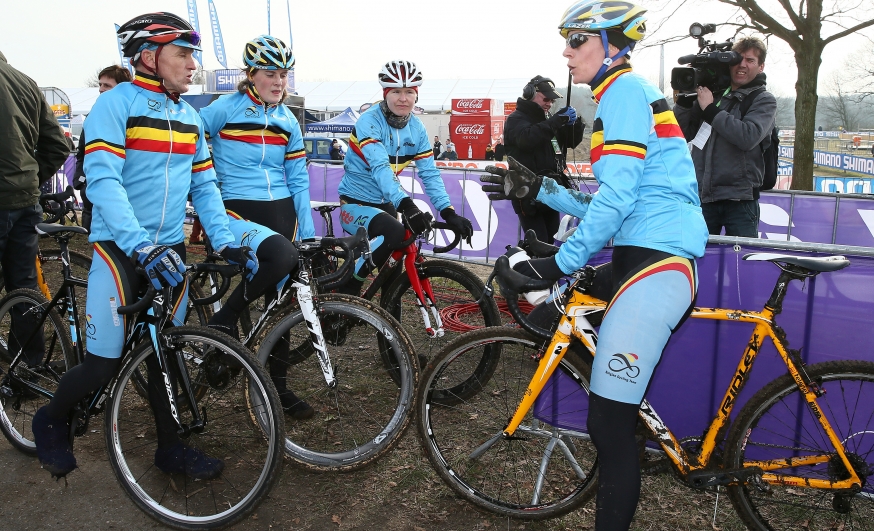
(62, 42)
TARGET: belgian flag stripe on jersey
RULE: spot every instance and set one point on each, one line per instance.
(624, 147)
(357, 145)
(254, 137)
(161, 136)
(103, 145)
(154, 123)
(602, 87)
(666, 125)
(597, 143)
(424, 155)
(292, 155)
(203, 165)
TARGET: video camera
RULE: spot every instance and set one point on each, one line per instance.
(709, 67)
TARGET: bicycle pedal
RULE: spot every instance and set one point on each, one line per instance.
(702, 479)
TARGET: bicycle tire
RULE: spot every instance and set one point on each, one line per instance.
(457, 290)
(503, 479)
(366, 412)
(776, 423)
(17, 405)
(252, 453)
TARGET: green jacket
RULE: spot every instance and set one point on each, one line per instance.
(32, 144)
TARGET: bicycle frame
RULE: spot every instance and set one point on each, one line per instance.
(574, 323)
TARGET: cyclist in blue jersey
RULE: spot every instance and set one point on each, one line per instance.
(260, 161)
(145, 154)
(647, 202)
(385, 140)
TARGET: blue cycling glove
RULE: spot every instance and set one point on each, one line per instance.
(163, 266)
(244, 256)
(570, 112)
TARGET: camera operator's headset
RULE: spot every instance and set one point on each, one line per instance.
(530, 89)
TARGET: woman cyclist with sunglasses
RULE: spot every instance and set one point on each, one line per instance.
(648, 204)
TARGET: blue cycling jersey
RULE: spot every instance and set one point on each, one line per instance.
(379, 153)
(145, 153)
(259, 154)
(648, 194)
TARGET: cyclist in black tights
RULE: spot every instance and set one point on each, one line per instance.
(261, 166)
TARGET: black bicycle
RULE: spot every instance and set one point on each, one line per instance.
(212, 415)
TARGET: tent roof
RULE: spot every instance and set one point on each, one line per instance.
(342, 123)
(436, 95)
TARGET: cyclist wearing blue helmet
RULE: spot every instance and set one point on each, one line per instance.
(261, 166)
(145, 154)
(647, 202)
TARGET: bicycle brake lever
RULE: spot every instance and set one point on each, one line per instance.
(488, 289)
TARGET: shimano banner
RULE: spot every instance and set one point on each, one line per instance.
(217, 41)
(195, 23)
(124, 61)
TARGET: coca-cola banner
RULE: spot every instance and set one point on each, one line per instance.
(478, 106)
(469, 131)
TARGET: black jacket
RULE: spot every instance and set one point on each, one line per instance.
(32, 145)
(528, 136)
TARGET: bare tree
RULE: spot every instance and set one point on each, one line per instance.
(837, 105)
(92, 81)
(805, 32)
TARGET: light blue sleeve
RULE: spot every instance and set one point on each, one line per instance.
(214, 116)
(428, 171)
(207, 199)
(370, 145)
(618, 162)
(298, 181)
(106, 129)
(559, 198)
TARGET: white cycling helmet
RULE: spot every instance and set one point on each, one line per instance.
(398, 74)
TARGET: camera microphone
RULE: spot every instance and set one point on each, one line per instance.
(686, 59)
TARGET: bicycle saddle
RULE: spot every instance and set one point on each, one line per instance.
(323, 206)
(51, 228)
(822, 264)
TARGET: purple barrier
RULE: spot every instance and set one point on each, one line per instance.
(829, 317)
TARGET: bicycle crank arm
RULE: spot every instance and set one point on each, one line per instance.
(702, 479)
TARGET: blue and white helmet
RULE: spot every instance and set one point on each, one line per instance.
(268, 53)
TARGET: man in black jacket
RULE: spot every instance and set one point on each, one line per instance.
(538, 141)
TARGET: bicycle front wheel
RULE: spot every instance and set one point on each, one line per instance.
(456, 290)
(363, 413)
(251, 453)
(777, 425)
(548, 467)
(26, 326)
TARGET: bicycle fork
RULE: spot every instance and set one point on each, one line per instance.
(305, 299)
(421, 286)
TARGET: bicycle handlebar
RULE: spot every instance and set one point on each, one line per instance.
(434, 225)
(56, 213)
(227, 271)
(512, 283)
(341, 275)
(536, 248)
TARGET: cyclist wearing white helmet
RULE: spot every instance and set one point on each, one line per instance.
(261, 166)
(384, 141)
(648, 204)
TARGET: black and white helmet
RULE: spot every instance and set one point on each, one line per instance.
(398, 74)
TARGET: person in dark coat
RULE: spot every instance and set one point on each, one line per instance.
(538, 140)
(500, 152)
(490, 153)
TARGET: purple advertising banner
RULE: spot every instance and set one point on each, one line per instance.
(829, 317)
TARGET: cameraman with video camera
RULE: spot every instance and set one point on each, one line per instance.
(726, 136)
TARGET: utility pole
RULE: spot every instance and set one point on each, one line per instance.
(662, 68)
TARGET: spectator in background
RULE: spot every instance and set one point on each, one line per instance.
(32, 149)
(438, 147)
(337, 151)
(727, 143)
(490, 153)
(450, 153)
(107, 79)
(499, 149)
(538, 140)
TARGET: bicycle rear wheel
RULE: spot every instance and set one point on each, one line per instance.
(251, 453)
(457, 291)
(363, 415)
(777, 424)
(24, 324)
(548, 467)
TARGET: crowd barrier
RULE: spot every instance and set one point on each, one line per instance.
(828, 317)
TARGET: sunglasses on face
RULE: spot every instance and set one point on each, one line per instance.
(578, 39)
(189, 36)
